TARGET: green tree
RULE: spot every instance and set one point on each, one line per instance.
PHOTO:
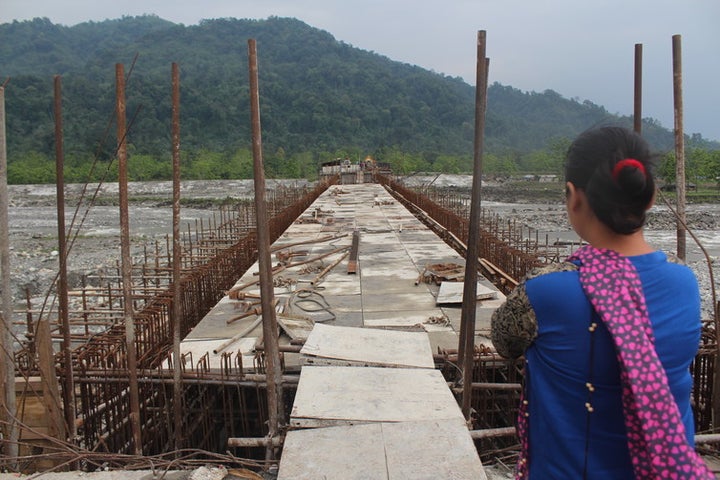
(242, 163)
(148, 167)
(666, 169)
(447, 164)
(33, 167)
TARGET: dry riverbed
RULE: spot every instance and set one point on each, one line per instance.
(96, 246)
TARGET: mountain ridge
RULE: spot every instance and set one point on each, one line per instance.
(317, 93)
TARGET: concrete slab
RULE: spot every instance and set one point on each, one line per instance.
(336, 345)
(444, 340)
(340, 285)
(431, 450)
(347, 452)
(347, 319)
(403, 319)
(394, 451)
(204, 350)
(352, 395)
(214, 325)
(345, 303)
(417, 300)
(482, 318)
(452, 293)
(400, 284)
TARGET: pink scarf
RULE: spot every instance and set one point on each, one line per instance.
(656, 434)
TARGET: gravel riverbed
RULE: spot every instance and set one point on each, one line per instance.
(96, 248)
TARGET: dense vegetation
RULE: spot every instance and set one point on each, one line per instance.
(320, 99)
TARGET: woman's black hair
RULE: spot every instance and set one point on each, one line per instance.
(619, 195)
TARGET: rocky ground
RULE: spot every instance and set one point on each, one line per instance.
(96, 246)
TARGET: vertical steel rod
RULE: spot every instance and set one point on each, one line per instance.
(7, 365)
(469, 303)
(637, 112)
(62, 293)
(270, 328)
(679, 144)
(176, 259)
(126, 266)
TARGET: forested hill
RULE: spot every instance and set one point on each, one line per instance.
(317, 94)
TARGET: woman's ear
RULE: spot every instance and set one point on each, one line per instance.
(571, 196)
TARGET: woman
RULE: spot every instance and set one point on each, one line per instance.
(608, 335)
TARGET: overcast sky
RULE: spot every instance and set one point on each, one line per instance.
(580, 49)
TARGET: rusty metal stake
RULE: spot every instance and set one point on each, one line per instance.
(62, 293)
(637, 112)
(270, 328)
(679, 145)
(467, 328)
(7, 365)
(126, 261)
(177, 261)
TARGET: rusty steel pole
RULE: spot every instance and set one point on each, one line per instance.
(466, 347)
(270, 327)
(177, 260)
(62, 293)
(126, 261)
(679, 145)
(7, 365)
(637, 112)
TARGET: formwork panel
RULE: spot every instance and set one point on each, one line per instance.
(366, 346)
(352, 395)
(394, 451)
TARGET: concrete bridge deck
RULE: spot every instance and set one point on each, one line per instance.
(370, 403)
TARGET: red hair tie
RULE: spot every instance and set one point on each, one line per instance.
(628, 162)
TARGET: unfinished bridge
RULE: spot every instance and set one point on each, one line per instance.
(350, 260)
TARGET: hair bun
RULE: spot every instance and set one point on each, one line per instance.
(627, 163)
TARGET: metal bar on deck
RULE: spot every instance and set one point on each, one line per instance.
(352, 262)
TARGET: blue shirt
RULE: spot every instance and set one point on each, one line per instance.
(558, 364)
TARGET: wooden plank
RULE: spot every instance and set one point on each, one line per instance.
(51, 390)
(370, 394)
(336, 345)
